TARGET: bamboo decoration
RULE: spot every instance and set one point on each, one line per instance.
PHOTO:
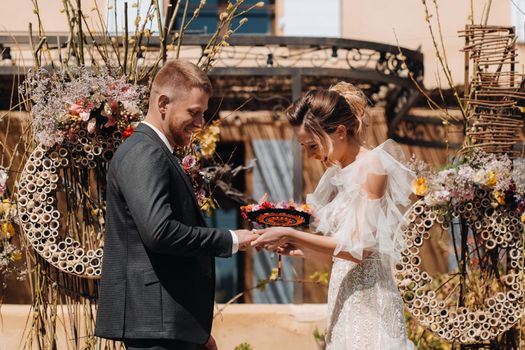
(74, 250)
(476, 204)
(493, 119)
(494, 307)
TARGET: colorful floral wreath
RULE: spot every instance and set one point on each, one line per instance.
(99, 102)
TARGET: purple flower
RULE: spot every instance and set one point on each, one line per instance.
(189, 162)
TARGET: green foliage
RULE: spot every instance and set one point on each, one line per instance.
(320, 277)
(244, 346)
(261, 285)
(318, 336)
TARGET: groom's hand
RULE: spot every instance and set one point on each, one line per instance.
(245, 237)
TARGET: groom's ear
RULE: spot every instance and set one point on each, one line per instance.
(162, 103)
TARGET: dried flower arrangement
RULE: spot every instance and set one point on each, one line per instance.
(98, 101)
(10, 253)
(501, 176)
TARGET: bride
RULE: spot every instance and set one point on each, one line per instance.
(358, 205)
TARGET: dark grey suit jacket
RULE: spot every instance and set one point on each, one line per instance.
(158, 273)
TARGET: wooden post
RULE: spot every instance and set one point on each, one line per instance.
(297, 154)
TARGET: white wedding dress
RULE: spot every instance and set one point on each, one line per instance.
(365, 310)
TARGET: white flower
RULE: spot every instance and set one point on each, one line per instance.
(3, 177)
(92, 126)
(465, 173)
(3, 180)
(131, 107)
(84, 116)
(518, 174)
(479, 177)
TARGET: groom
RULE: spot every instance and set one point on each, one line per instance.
(158, 273)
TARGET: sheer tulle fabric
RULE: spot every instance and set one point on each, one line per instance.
(345, 211)
(365, 308)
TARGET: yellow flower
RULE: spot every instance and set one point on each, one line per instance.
(420, 186)
(274, 275)
(8, 230)
(247, 207)
(5, 207)
(305, 207)
(523, 217)
(207, 205)
(499, 197)
(208, 138)
(17, 255)
(491, 179)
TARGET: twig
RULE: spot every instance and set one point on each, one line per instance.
(181, 31)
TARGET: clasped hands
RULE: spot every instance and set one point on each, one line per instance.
(275, 239)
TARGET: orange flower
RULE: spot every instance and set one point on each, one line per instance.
(499, 197)
(8, 230)
(492, 180)
(420, 186)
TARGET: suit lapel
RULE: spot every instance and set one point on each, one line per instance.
(141, 128)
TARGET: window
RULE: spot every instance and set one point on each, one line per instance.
(311, 18)
(136, 9)
(259, 19)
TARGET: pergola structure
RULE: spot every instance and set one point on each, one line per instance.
(269, 72)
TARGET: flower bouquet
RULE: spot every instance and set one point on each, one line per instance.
(193, 157)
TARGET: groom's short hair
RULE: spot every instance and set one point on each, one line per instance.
(180, 76)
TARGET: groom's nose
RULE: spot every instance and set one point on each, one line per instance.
(199, 121)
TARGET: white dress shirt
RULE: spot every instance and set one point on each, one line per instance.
(235, 240)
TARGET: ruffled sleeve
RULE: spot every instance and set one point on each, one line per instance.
(359, 221)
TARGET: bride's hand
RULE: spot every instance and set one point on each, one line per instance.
(272, 238)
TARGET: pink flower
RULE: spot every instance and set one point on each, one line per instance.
(70, 135)
(469, 195)
(111, 121)
(75, 109)
(201, 194)
(189, 162)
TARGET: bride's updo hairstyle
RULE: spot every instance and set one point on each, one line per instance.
(321, 111)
